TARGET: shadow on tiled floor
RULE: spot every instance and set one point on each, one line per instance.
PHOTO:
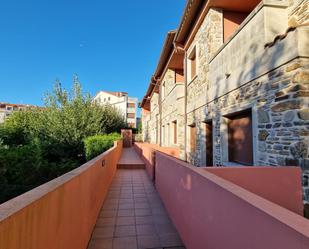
(133, 216)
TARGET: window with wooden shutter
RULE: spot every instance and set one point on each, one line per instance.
(192, 138)
(240, 138)
(175, 131)
(192, 64)
(209, 143)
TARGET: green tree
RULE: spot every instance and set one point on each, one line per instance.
(39, 144)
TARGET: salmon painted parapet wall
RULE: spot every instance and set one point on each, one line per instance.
(212, 212)
(60, 214)
(147, 153)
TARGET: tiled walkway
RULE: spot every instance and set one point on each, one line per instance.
(133, 216)
(130, 159)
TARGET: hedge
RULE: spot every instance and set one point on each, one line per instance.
(96, 145)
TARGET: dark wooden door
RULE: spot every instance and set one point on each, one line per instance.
(209, 144)
(240, 138)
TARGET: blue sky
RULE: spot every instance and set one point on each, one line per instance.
(111, 45)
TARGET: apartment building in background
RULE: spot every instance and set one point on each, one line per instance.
(231, 87)
(122, 102)
(6, 109)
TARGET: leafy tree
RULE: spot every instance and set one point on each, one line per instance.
(39, 144)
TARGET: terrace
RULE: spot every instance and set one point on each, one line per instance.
(144, 197)
(244, 56)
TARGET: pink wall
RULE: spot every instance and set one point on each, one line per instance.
(147, 152)
(279, 185)
(231, 21)
(211, 212)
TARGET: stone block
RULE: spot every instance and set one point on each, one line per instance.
(287, 105)
(263, 116)
(299, 150)
(301, 77)
(263, 135)
(289, 116)
(303, 114)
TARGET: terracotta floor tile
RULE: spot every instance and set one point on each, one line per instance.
(144, 220)
(110, 207)
(121, 201)
(145, 229)
(103, 232)
(143, 212)
(108, 214)
(125, 206)
(125, 231)
(140, 200)
(133, 216)
(148, 241)
(125, 243)
(125, 221)
(103, 222)
(126, 213)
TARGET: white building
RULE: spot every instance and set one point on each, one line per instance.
(121, 101)
(7, 109)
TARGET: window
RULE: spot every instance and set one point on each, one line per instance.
(175, 131)
(104, 99)
(131, 115)
(240, 139)
(163, 135)
(168, 135)
(131, 105)
(179, 76)
(193, 138)
(209, 143)
(109, 98)
(192, 64)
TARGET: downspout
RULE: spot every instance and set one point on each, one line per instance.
(160, 112)
(180, 47)
(186, 98)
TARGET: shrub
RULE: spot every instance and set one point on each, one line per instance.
(39, 144)
(96, 145)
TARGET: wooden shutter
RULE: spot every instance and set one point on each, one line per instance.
(192, 138)
(209, 144)
(175, 132)
(240, 138)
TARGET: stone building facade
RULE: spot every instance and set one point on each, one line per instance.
(246, 85)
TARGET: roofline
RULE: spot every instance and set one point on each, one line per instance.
(189, 15)
(163, 59)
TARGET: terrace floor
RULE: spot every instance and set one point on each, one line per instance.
(133, 215)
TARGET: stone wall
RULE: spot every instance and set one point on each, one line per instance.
(207, 41)
(279, 102)
(298, 12)
(172, 110)
(154, 119)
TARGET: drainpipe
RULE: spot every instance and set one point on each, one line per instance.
(179, 47)
(160, 112)
(186, 98)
